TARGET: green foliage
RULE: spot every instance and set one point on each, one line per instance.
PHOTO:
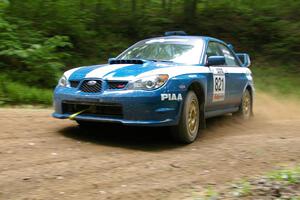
(38, 64)
(16, 93)
(27, 55)
(3, 4)
(99, 29)
(291, 176)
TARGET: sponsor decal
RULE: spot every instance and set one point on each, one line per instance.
(171, 97)
(218, 85)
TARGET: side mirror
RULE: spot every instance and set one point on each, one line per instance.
(245, 59)
(111, 59)
(230, 46)
(216, 60)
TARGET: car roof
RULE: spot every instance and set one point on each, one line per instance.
(190, 37)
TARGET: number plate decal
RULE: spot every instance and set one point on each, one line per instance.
(219, 85)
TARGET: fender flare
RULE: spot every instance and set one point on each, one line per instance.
(200, 89)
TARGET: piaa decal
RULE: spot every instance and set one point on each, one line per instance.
(171, 97)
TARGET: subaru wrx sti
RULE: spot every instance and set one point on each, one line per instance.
(175, 80)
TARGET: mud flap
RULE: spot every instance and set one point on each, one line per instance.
(202, 120)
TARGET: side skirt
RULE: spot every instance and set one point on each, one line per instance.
(220, 112)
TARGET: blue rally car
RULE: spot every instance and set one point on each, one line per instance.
(175, 80)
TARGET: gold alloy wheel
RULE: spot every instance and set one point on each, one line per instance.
(247, 104)
(193, 117)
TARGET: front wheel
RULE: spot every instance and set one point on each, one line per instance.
(187, 129)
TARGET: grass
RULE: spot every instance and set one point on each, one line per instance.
(211, 194)
(285, 178)
(13, 93)
(291, 176)
(242, 188)
(278, 80)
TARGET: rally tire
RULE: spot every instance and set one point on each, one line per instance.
(246, 107)
(187, 129)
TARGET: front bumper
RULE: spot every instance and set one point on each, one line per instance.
(143, 108)
(166, 122)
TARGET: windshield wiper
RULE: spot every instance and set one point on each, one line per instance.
(153, 60)
(160, 60)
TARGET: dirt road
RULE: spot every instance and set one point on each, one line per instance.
(45, 158)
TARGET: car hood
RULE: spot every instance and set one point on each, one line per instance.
(129, 71)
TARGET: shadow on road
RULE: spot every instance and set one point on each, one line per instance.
(140, 138)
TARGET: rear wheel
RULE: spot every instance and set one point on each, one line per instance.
(187, 129)
(245, 109)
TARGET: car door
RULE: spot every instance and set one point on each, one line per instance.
(235, 77)
(217, 81)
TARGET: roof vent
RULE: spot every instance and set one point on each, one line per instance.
(170, 33)
(113, 61)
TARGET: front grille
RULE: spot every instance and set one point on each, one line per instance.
(98, 109)
(74, 84)
(116, 84)
(91, 86)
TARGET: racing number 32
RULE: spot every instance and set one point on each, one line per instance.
(219, 85)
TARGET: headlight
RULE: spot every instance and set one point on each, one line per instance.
(63, 81)
(149, 82)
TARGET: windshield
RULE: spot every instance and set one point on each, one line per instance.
(173, 50)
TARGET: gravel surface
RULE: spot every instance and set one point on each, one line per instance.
(46, 158)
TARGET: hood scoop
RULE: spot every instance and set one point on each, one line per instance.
(135, 61)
